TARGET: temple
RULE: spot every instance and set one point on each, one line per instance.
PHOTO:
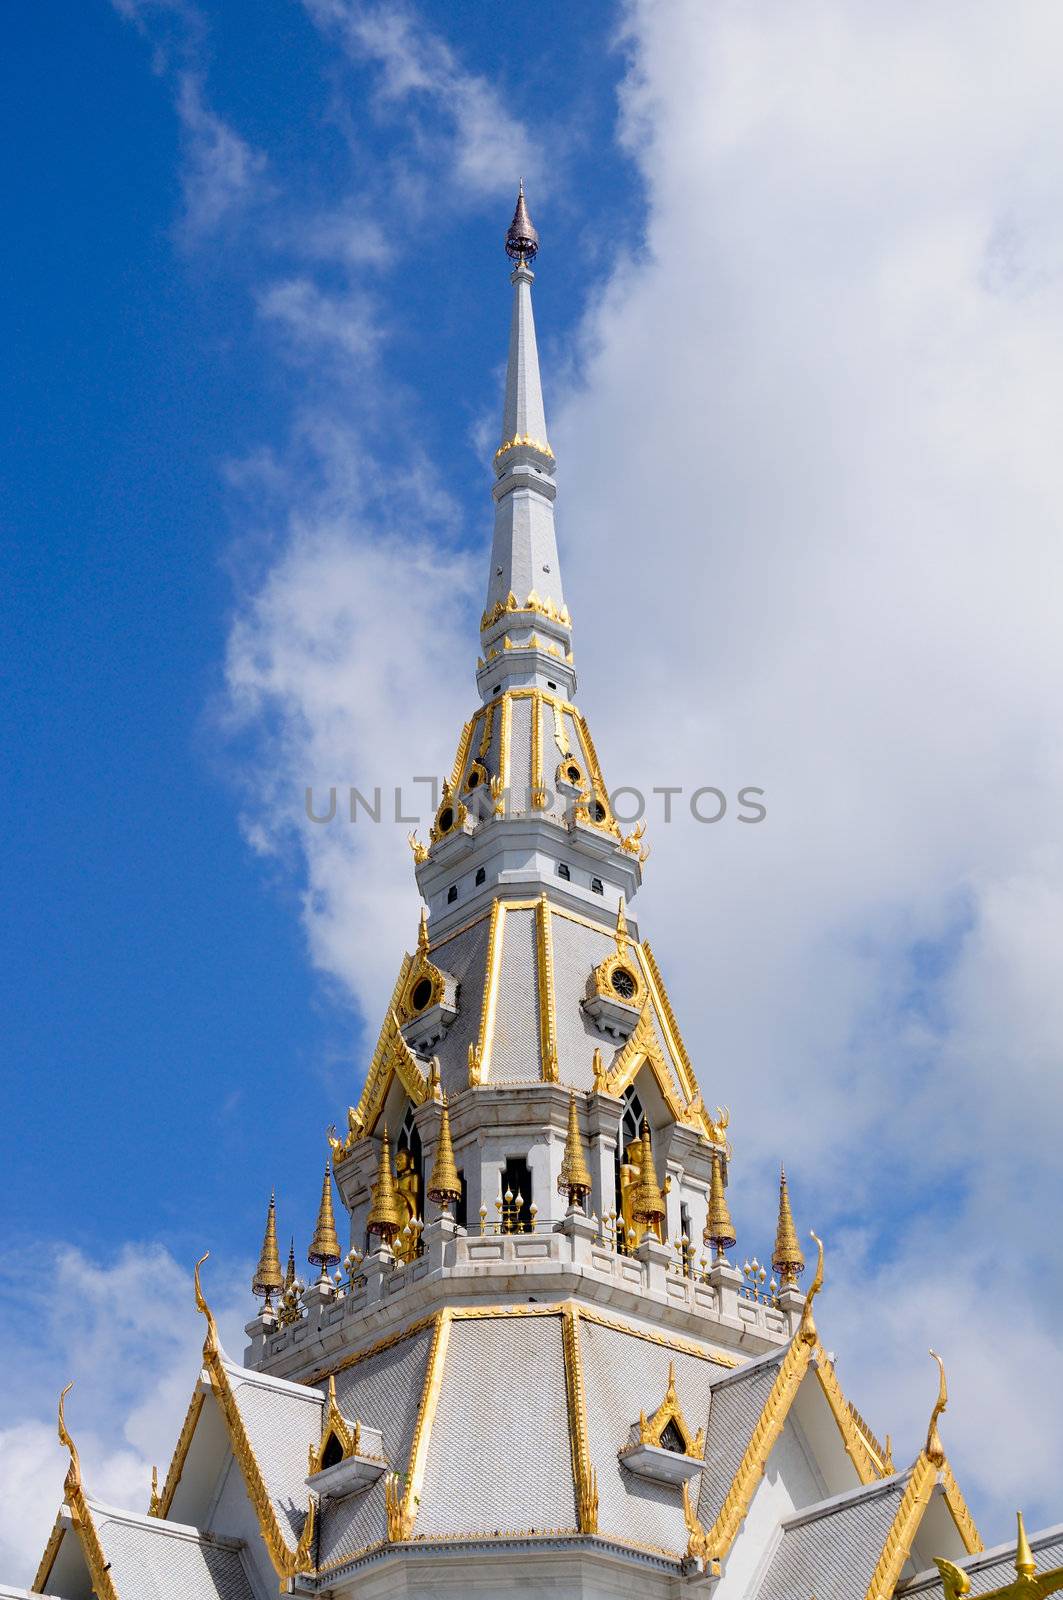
(533, 1360)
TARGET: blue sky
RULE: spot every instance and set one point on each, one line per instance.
(800, 308)
(160, 996)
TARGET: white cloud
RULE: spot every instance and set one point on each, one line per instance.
(487, 147)
(221, 171)
(313, 319)
(126, 1330)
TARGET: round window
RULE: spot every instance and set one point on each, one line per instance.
(623, 983)
(473, 779)
(422, 993)
(573, 774)
(446, 819)
(598, 811)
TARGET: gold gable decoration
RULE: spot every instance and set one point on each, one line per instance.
(335, 1426)
(1028, 1584)
(669, 1412)
(392, 1057)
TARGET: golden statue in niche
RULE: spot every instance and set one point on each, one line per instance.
(407, 1185)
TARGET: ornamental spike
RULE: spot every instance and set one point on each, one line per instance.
(807, 1330)
(444, 1185)
(268, 1277)
(787, 1259)
(621, 928)
(719, 1229)
(385, 1213)
(522, 241)
(422, 932)
(324, 1249)
(1025, 1565)
(575, 1177)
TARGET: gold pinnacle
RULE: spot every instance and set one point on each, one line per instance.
(719, 1229)
(787, 1259)
(575, 1177)
(385, 1214)
(325, 1246)
(268, 1277)
(444, 1185)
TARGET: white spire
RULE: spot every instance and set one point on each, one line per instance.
(523, 416)
(524, 560)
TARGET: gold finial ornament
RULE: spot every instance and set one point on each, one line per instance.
(73, 1472)
(575, 1176)
(211, 1344)
(289, 1273)
(807, 1330)
(787, 1259)
(268, 1277)
(954, 1580)
(385, 1214)
(648, 1204)
(324, 1249)
(621, 929)
(719, 1229)
(444, 1185)
(422, 932)
(1025, 1566)
(934, 1448)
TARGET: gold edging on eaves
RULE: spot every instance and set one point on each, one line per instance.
(584, 1477)
(961, 1514)
(403, 1514)
(463, 750)
(903, 1529)
(286, 1561)
(184, 1444)
(869, 1467)
(489, 1007)
(545, 974)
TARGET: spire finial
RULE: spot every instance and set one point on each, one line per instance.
(522, 241)
(935, 1450)
(268, 1278)
(385, 1213)
(621, 929)
(1025, 1565)
(444, 1185)
(575, 1178)
(719, 1229)
(422, 932)
(289, 1273)
(324, 1249)
(787, 1259)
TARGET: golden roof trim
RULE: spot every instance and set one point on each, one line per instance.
(641, 1047)
(286, 1561)
(584, 1477)
(966, 1526)
(387, 1343)
(391, 1056)
(869, 1464)
(544, 971)
(47, 1561)
(402, 1510)
(81, 1518)
(903, 1528)
(462, 751)
(181, 1449)
(334, 1425)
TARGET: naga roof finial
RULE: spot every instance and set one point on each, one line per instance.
(807, 1329)
(935, 1450)
(211, 1344)
(73, 1472)
(522, 241)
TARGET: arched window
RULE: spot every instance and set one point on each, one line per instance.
(516, 1181)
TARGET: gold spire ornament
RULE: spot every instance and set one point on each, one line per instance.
(787, 1259)
(385, 1213)
(324, 1249)
(575, 1176)
(648, 1205)
(934, 1449)
(444, 1185)
(719, 1229)
(422, 932)
(268, 1278)
(1025, 1565)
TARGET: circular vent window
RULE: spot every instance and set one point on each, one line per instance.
(623, 983)
(422, 993)
(446, 819)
